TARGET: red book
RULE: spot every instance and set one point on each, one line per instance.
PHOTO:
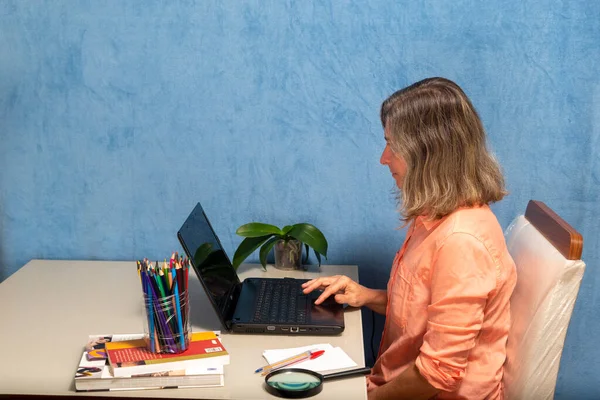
(133, 357)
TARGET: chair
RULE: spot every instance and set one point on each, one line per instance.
(547, 252)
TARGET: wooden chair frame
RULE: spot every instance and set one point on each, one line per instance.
(556, 230)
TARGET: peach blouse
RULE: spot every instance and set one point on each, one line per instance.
(448, 306)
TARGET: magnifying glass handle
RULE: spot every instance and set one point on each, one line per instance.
(344, 374)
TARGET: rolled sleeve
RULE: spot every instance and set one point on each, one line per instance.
(463, 275)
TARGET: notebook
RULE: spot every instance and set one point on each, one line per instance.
(254, 305)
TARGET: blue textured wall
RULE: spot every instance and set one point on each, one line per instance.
(117, 117)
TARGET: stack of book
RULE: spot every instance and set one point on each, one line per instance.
(122, 362)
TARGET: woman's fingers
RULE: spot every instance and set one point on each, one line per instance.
(311, 285)
(321, 279)
(342, 298)
(333, 288)
(331, 285)
(305, 284)
(318, 283)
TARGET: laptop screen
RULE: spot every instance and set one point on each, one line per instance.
(208, 259)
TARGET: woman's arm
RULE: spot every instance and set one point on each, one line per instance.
(376, 300)
(408, 385)
(345, 290)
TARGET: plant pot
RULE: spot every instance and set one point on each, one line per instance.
(288, 255)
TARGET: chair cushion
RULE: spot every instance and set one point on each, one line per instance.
(541, 307)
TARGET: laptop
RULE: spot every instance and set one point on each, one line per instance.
(254, 305)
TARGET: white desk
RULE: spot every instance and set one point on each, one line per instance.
(50, 307)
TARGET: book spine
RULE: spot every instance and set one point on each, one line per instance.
(124, 372)
(137, 388)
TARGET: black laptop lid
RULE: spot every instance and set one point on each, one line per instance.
(210, 262)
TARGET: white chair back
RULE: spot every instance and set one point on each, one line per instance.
(543, 300)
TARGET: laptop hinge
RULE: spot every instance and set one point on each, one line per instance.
(230, 303)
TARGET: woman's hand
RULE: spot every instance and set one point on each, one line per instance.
(344, 290)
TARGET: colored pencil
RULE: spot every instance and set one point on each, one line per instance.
(165, 290)
(307, 355)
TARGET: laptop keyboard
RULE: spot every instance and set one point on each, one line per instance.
(280, 302)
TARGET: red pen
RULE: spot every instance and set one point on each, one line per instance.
(307, 355)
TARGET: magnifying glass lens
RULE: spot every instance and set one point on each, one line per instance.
(293, 381)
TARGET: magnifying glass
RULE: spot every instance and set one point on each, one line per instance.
(295, 383)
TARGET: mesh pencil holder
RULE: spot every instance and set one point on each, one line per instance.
(167, 327)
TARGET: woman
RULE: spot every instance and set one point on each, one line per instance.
(447, 299)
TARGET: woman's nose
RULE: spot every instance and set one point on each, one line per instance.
(384, 160)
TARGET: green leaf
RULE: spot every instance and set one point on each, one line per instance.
(257, 229)
(286, 229)
(310, 235)
(246, 248)
(265, 249)
(305, 258)
(318, 257)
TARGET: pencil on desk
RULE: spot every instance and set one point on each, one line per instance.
(307, 355)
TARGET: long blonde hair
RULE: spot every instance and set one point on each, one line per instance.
(434, 127)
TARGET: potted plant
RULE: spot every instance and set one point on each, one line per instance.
(287, 242)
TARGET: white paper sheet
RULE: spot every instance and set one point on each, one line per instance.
(333, 358)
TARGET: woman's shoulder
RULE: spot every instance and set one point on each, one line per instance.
(479, 222)
(478, 230)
